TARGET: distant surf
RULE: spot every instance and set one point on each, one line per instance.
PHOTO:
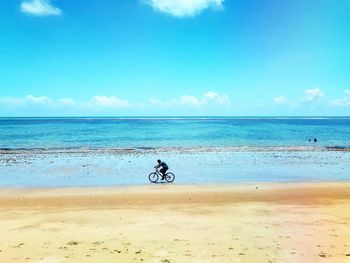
(141, 150)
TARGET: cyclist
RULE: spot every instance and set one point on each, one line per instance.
(164, 166)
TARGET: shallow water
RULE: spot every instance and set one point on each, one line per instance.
(108, 168)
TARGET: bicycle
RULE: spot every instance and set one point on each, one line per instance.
(154, 176)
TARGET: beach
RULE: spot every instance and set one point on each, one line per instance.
(258, 222)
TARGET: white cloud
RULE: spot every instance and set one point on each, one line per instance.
(37, 100)
(345, 101)
(184, 8)
(112, 101)
(40, 8)
(191, 100)
(108, 104)
(216, 97)
(209, 97)
(340, 102)
(94, 103)
(23, 101)
(280, 100)
(312, 94)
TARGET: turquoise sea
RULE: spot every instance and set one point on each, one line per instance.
(51, 133)
(59, 152)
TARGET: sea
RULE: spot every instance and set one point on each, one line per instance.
(144, 132)
(122, 151)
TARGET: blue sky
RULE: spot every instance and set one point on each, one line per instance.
(167, 57)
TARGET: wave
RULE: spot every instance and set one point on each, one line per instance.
(173, 149)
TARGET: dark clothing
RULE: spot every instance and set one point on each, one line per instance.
(163, 165)
(163, 170)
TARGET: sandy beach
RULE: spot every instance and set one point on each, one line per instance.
(304, 222)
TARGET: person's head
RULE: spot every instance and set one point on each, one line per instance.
(159, 161)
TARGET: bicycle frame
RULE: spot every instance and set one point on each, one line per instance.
(158, 172)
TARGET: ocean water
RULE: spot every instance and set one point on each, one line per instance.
(61, 133)
(52, 152)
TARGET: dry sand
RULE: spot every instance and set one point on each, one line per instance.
(172, 223)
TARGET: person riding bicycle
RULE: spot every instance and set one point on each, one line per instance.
(164, 166)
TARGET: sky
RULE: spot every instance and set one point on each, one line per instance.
(174, 58)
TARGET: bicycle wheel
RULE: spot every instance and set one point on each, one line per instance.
(153, 177)
(170, 177)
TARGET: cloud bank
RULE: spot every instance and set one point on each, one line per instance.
(177, 8)
(109, 104)
(345, 101)
(312, 94)
(40, 8)
(184, 8)
(310, 97)
(30, 100)
(207, 99)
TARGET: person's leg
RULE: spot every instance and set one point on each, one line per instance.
(165, 169)
(162, 171)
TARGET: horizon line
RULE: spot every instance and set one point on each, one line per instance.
(184, 116)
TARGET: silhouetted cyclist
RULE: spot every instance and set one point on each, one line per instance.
(164, 166)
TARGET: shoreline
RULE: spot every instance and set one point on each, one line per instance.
(171, 194)
(194, 149)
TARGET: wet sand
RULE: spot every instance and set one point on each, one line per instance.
(203, 165)
(305, 222)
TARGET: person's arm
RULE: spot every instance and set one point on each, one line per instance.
(157, 166)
